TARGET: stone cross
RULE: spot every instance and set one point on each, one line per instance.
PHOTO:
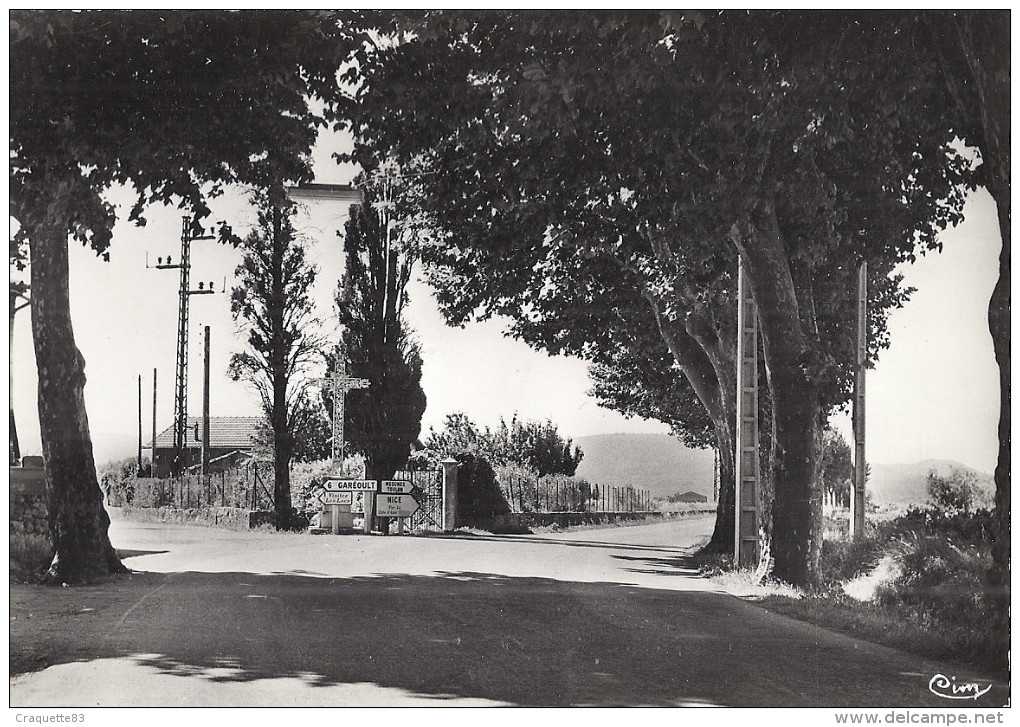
(339, 383)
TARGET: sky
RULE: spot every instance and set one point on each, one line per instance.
(932, 395)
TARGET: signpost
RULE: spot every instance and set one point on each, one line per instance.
(341, 485)
(336, 498)
(393, 498)
(395, 505)
(396, 487)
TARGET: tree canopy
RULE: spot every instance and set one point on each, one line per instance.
(174, 105)
(534, 445)
(273, 302)
(384, 420)
(579, 155)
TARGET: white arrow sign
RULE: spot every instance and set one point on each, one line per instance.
(395, 505)
(395, 487)
(331, 485)
(336, 498)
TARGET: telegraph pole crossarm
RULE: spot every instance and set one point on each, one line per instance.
(190, 231)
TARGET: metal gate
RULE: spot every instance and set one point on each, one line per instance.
(429, 484)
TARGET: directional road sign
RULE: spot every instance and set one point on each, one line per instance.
(396, 487)
(338, 485)
(395, 505)
(336, 498)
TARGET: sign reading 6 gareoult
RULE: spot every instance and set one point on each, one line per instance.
(338, 485)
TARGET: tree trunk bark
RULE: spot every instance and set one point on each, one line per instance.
(987, 46)
(701, 371)
(725, 513)
(797, 415)
(975, 54)
(79, 524)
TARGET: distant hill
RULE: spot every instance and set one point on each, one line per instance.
(656, 462)
(664, 466)
(907, 484)
(110, 447)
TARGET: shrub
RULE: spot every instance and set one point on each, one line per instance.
(30, 556)
(953, 493)
(479, 496)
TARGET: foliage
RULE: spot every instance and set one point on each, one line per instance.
(478, 493)
(583, 163)
(384, 420)
(526, 491)
(174, 105)
(533, 445)
(312, 432)
(953, 493)
(837, 466)
(938, 599)
(166, 102)
(272, 300)
(29, 555)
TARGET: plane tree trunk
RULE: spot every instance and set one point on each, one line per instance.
(705, 367)
(796, 406)
(79, 524)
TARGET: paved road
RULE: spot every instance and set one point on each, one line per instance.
(596, 617)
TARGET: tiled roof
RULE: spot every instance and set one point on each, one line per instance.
(224, 432)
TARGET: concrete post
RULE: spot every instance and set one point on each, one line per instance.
(450, 467)
(366, 527)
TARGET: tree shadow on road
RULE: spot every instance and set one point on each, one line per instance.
(683, 566)
(541, 540)
(523, 641)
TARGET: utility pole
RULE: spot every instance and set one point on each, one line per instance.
(190, 230)
(205, 410)
(857, 499)
(746, 546)
(152, 465)
(139, 425)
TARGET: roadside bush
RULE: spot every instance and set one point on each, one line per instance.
(954, 492)
(975, 527)
(30, 556)
(845, 559)
(938, 577)
(929, 593)
(479, 496)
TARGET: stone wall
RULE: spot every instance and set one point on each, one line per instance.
(234, 518)
(520, 522)
(28, 514)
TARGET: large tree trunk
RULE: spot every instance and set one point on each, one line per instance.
(725, 511)
(975, 52)
(709, 378)
(987, 45)
(797, 415)
(79, 524)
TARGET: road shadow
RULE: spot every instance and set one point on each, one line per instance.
(683, 566)
(123, 553)
(518, 640)
(542, 540)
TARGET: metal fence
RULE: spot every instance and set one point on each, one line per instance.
(526, 493)
(249, 486)
(429, 515)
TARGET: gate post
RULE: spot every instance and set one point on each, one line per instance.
(450, 466)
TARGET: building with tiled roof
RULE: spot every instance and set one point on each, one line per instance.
(230, 439)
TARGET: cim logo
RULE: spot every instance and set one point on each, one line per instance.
(947, 688)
